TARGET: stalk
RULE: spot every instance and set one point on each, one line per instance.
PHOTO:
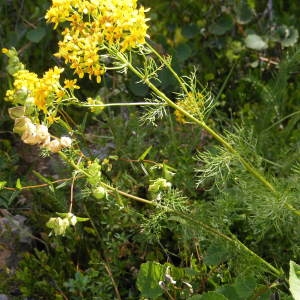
(206, 227)
(201, 123)
(247, 165)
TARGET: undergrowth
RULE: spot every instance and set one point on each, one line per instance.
(143, 171)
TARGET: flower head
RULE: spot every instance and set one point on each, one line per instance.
(92, 25)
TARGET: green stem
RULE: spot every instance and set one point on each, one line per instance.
(200, 122)
(232, 240)
(206, 227)
(167, 64)
(120, 104)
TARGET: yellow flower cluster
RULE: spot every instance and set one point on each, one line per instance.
(30, 90)
(37, 93)
(90, 26)
(35, 98)
(193, 104)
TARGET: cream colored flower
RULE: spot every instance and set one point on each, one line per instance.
(54, 146)
(65, 142)
(42, 133)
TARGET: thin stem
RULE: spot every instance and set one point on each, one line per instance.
(232, 240)
(106, 264)
(72, 187)
(206, 227)
(122, 104)
(71, 162)
(281, 120)
(109, 272)
(167, 64)
(201, 123)
(142, 200)
(38, 185)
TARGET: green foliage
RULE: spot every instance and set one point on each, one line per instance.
(212, 230)
(150, 274)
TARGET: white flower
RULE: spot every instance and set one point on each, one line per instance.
(65, 141)
(54, 146)
(42, 133)
(29, 135)
(72, 219)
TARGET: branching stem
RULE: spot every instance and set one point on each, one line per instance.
(247, 165)
(206, 227)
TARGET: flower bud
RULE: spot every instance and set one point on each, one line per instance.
(54, 146)
(29, 105)
(16, 112)
(65, 142)
(23, 124)
(42, 134)
(99, 192)
(29, 136)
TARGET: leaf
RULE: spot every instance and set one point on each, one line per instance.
(190, 31)
(145, 153)
(36, 35)
(216, 253)
(138, 88)
(183, 52)
(148, 279)
(255, 42)
(228, 291)
(79, 219)
(287, 36)
(245, 286)
(18, 184)
(61, 185)
(294, 280)
(244, 12)
(222, 25)
(43, 178)
(208, 296)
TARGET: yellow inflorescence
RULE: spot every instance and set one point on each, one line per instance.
(28, 86)
(90, 25)
(193, 104)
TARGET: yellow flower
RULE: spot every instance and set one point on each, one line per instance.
(193, 103)
(96, 105)
(180, 118)
(92, 25)
(70, 84)
(52, 119)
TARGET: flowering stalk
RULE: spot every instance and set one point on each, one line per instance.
(233, 240)
(247, 165)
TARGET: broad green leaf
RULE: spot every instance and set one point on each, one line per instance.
(148, 279)
(244, 12)
(138, 88)
(255, 42)
(294, 280)
(245, 286)
(190, 31)
(287, 36)
(216, 253)
(183, 52)
(36, 35)
(222, 25)
(208, 296)
(228, 291)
